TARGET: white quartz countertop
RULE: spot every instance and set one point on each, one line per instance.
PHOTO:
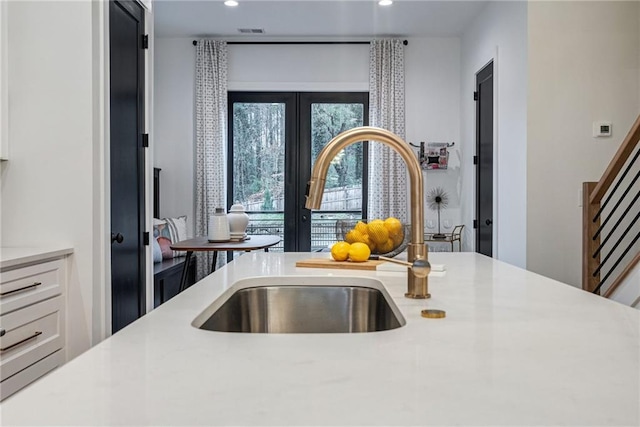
(12, 256)
(515, 349)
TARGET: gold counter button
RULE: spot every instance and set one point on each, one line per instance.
(433, 314)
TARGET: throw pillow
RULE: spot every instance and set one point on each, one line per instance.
(165, 248)
(177, 228)
(161, 238)
(167, 231)
(157, 252)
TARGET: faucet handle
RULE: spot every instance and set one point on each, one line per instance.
(420, 266)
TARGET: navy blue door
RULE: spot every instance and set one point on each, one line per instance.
(126, 28)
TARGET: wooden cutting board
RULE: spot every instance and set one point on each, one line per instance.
(329, 263)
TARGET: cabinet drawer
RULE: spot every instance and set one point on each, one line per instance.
(30, 334)
(29, 375)
(27, 285)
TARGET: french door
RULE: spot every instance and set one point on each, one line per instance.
(274, 138)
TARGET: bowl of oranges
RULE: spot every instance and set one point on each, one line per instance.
(387, 237)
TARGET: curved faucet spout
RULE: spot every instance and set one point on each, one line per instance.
(417, 286)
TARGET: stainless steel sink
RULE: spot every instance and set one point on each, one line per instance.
(290, 304)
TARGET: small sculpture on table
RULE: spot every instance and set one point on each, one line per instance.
(437, 199)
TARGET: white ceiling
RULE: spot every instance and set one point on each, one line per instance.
(311, 18)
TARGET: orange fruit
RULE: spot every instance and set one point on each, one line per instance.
(361, 227)
(353, 236)
(367, 241)
(375, 221)
(340, 251)
(372, 246)
(377, 232)
(386, 247)
(393, 226)
(397, 239)
(359, 252)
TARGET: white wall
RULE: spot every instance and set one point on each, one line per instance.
(583, 67)
(498, 33)
(432, 99)
(47, 185)
(432, 96)
(173, 126)
(300, 68)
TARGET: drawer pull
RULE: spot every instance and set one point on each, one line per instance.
(22, 341)
(2, 332)
(21, 289)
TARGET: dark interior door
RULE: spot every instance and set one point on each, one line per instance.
(484, 151)
(126, 29)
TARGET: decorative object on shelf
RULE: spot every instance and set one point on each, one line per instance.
(436, 156)
(437, 198)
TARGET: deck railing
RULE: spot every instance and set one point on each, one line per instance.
(611, 213)
(324, 230)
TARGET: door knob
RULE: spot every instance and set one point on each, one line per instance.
(119, 238)
(488, 222)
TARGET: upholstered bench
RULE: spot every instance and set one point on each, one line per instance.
(166, 278)
(167, 273)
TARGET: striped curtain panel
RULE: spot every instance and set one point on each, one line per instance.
(388, 190)
(211, 140)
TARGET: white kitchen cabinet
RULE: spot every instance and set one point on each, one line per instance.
(32, 315)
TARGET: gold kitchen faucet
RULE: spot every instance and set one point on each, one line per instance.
(417, 282)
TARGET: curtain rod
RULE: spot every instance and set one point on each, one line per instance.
(195, 42)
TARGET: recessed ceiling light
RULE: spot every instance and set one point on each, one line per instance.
(231, 3)
(385, 2)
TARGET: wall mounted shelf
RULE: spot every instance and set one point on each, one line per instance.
(435, 156)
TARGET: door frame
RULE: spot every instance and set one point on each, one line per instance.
(136, 9)
(297, 156)
(479, 156)
(492, 57)
(101, 239)
(291, 158)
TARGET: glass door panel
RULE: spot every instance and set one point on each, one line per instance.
(257, 169)
(345, 189)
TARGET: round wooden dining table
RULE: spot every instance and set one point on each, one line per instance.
(202, 244)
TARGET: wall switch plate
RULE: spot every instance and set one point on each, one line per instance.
(580, 198)
(601, 129)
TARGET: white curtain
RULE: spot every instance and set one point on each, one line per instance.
(211, 139)
(387, 171)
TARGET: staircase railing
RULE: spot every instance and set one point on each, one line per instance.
(611, 230)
